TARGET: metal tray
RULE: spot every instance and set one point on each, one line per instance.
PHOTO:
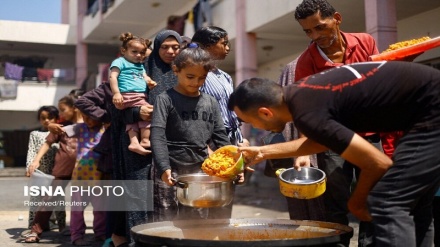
(240, 232)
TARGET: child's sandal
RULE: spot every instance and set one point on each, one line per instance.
(32, 238)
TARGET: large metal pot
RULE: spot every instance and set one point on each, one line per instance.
(240, 232)
(305, 184)
(202, 191)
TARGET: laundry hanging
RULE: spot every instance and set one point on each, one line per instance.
(13, 71)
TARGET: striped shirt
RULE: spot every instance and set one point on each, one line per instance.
(219, 84)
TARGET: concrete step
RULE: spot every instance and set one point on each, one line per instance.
(13, 172)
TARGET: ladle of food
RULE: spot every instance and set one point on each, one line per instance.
(225, 162)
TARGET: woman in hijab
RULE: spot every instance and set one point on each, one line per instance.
(131, 166)
(158, 66)
(166, 46)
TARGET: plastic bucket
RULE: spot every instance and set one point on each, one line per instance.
(40, 178)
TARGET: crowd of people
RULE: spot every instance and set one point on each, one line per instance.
(161, 114)
(105, 124)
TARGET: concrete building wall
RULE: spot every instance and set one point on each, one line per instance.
(263, 11)
(223, 13)
(57, 43)
(272, 70)
(424, 24)
(56, 59)
(32, 95)
(33, 32)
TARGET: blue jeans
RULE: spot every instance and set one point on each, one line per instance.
(341, 176)
(401, 202)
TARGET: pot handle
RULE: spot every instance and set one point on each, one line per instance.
(279, 171)
(181, 184)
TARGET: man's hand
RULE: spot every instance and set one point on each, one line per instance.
(146, 112)
(302, 161)
(251, 156)
(245, 143)
(373, 164)
(358, 207)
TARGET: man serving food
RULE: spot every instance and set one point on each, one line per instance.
(330, 107)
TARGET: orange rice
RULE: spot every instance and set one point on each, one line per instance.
(219, 164)
(405, 43)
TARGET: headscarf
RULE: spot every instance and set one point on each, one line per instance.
(158, 70)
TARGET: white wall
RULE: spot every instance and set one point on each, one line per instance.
(32, 95)
(224, 15)
(266, 11)
(73, 15)
(263, 11)
(36, 32)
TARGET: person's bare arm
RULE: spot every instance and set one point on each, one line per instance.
(245, 143)
(56, 129)
(145, 112)
(167, 177)
(304, 160)
(150, 83)
(299, 147)
(113, 79)
(36, 162)
(373, 164)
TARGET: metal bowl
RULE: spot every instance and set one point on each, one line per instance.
(308, 183)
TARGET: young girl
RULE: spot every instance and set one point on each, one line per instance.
(63, 165)
(128, 82)
(45, 115)
(184, 121)
(89, 134)
(218, 83)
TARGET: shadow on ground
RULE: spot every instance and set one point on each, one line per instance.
(260, 191)
(50, 238)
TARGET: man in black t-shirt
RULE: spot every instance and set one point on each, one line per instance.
(330, 107)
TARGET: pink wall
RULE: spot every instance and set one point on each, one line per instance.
(384, 29)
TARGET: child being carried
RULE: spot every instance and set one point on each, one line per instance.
(130, 84)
